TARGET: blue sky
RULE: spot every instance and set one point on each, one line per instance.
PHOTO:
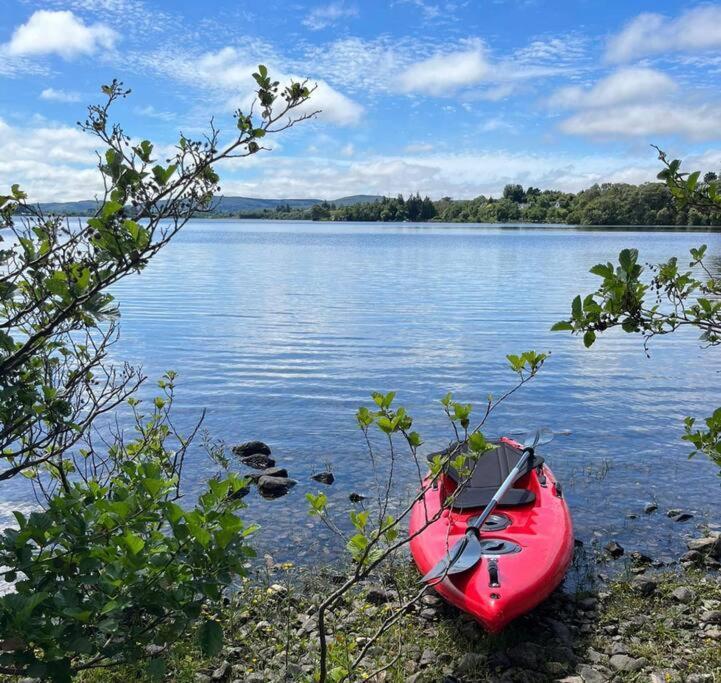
(445, 98)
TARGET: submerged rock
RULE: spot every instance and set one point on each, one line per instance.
(615, 550)
(274, 487)
(268, 472)
(258, 461)
(243, 450)
(324, 478)
(650, 507)
(356, 497)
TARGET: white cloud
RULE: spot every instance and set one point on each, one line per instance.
(50, 163)
(62, 33)
(225, 70)
(55, 95)
(444, 73)
(151, 112)
(327, 15)
(418, 148)
(622, 87)
(649, 33)
(348, 150)
(701, 122)
(437, 175)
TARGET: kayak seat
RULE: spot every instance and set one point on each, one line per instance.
(489, 472)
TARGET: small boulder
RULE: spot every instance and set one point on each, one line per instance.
(243, 450)
(356, 497)
(627, 663)
(682, 517)
(591, 675)
(471, 665)
(650, 507)
(379, 596)
(275, 487)
(527, 655)
(258, 461)
(324, 478)
(268, 472)
(645, 586)
(614, 549)
(711, 617)
(222, 673)
(683, 595)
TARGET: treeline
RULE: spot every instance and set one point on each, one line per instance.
(604, 204)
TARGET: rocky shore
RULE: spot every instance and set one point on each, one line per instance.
(650, 622)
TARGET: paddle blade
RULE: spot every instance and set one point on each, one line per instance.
(463, 555)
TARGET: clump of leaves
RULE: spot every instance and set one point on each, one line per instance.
(661, 298)
(116, 563)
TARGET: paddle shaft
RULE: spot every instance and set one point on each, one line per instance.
(498, 495)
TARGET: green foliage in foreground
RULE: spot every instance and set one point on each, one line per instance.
(672, 297)
(115, 564)
(113, 560)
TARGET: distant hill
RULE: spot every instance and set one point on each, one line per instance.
(222, 204)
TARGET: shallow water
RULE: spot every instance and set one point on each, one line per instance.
(281, 330)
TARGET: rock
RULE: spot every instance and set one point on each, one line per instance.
(379, 596)
(471, 664)
(683, 595)
(691, 557)
(222, 673)
(715, 550)
(571, 679)
(703, 544)
(255, 677)
(615, 550)
(427, 657)
(258, 461)
(591, 675)
(560, 630)
(429, 613)
(700, 678)
(645, 586)
(356, 497)
(324, 478)
(682, 517)
(268, 472)
(596, 657)
(526, 655)
(618, 648)
(243, 450)
(201, 678)
(673, 512)
(665, 676)
(641, 559)
(711, 617)
(627, 663)
(155, 650)
(650, 507)
(274, 487)
(430, 600)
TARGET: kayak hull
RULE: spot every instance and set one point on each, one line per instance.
(542, 531)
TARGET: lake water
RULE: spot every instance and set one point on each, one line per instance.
(281, 330)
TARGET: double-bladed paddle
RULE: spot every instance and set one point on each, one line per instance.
(466, 552)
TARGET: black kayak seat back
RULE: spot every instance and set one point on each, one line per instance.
(489, 472)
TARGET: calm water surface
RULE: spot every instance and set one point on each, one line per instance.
(281, 330)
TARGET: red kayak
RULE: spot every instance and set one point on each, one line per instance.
(527, 544)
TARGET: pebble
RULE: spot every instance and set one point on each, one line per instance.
(711, 617)
(683, 595)
(379, 596)
(614, 549)
(627, 663)
(324, 478)
(591, 675)
(222, 672)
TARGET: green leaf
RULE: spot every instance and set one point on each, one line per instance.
(133, 542)
(577, 308)
(562, 325)
(589, 338)
(210, 638)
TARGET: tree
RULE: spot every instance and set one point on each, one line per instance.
(514, 193)
(110, 562)
(670, 298)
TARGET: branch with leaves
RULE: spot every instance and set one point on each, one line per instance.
(380, 537)
(661, 298)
